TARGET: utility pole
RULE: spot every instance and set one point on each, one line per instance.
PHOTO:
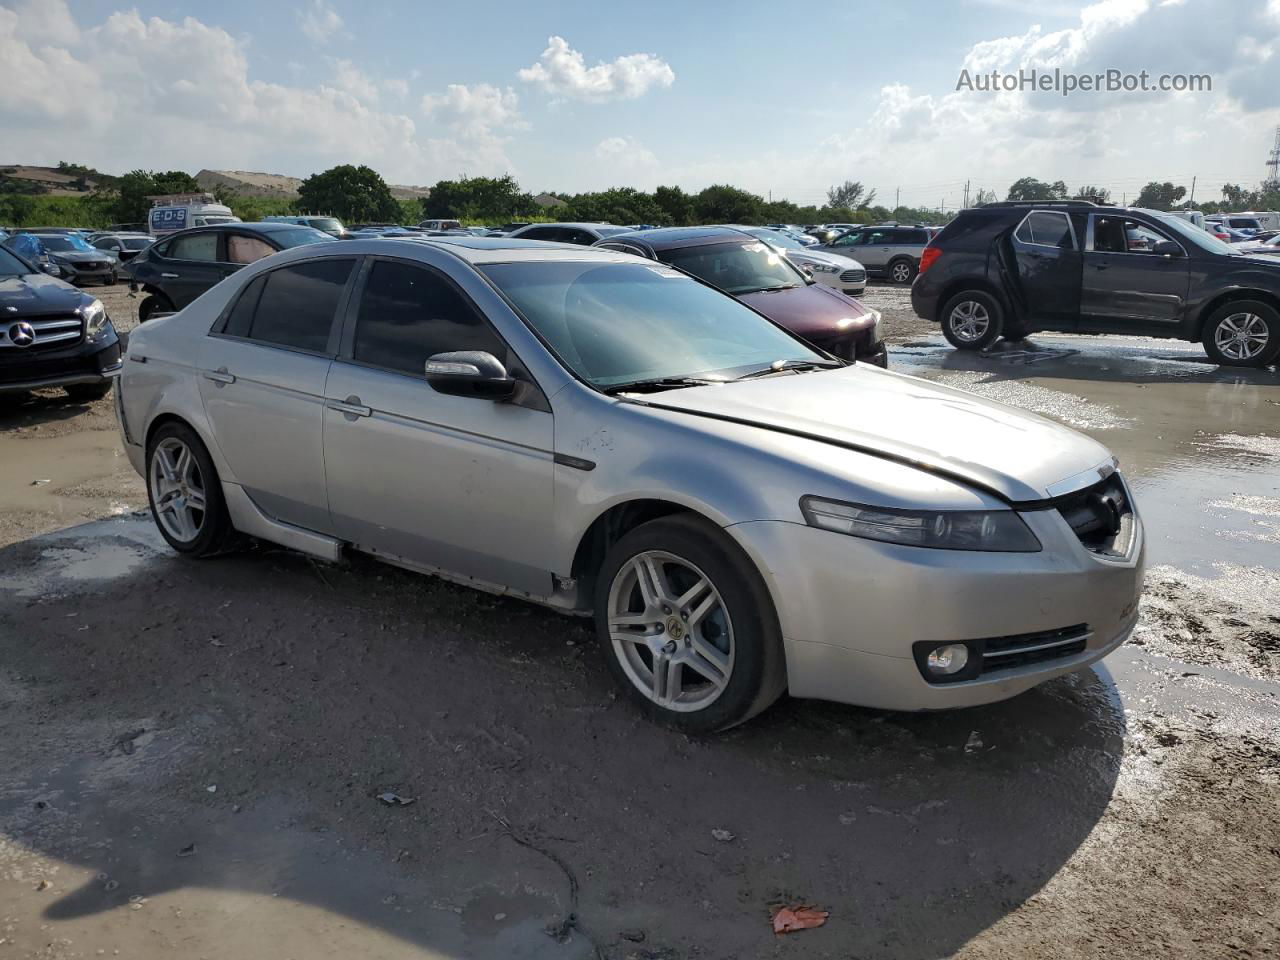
(966, 194)
(897, 191)
(1191, 200)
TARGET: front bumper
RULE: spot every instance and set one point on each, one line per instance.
(84, 363)
(851, 609)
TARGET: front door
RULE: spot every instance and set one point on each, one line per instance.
(1127, 286)
(192, 263)
(262, 378)
(1048, 258)
(456, 483)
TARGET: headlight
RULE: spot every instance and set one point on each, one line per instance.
(95, 317)
(822, 267)
(989, 530)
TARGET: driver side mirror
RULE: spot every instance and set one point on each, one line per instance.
(470, 373)
(1167, 248)
(51, 268)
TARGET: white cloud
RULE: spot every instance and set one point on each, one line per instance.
(478, 107)
(319, 21)
(563, 72)
(626, 151)
(147, 68)
(396, 86)
(46, 21)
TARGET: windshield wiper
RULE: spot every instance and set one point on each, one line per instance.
(783, 286)
(656, 384)
(779, 365)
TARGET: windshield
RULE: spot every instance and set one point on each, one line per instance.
(1243, 223)
(777, 238)
(737, 267)
(135, 243)
(299, 237)
(66, 243)
(11, 266)
(1201, 238)
(326, 223)
(615, 323)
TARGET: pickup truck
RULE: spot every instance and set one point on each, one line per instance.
(1008, 269)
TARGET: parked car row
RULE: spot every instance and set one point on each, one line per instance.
(621, 431)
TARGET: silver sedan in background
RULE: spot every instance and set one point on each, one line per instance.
(831, 269)
(740, 514)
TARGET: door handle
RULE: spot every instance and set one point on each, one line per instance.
(219, 376)
(351, 407)
(169, 276)
(1101, 266)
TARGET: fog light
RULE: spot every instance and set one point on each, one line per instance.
(948, 659)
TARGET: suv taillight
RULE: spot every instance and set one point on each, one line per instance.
(927, 256)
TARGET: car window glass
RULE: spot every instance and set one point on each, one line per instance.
(1046, 228)
(241, 317)
(917, 236)
(297, 304)
(409, 314)
(1118, 235)
(194, 246)
(580, 237)
(245, 249)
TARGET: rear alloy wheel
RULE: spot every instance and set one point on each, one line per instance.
(972, 320)
(902, 271)
(186, 497)
(1244, 333)
(687, 626)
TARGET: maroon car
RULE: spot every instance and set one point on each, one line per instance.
(759, 276)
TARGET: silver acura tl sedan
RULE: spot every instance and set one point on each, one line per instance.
(740, 514)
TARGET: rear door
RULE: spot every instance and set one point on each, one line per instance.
(1049, 265)
(1127, 287)
(455, 483)
(192, 263)
(262, 377)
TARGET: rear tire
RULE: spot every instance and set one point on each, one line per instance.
(185, 494)
(902, 270)
(687, 626)
(88, 392)
(151, 304)
(1242, 333)
(972, 320)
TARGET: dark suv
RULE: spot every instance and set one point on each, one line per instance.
(1007, 269)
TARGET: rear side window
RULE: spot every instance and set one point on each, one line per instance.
(913, 236)
(245, 249)
(297, 304)
(408, 314)
(194, 246)
(542, 233)
(240, 319)
(1046, 228)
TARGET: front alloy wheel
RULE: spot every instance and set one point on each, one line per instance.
(1241, 336)
(670, 631)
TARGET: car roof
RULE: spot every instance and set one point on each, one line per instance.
(255, 226)
(582, 225)
(480, 250)
(671, 238)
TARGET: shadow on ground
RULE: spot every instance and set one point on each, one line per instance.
(133, 681)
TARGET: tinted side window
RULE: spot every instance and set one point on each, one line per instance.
(408, 314)
(245, 249)
(297, 304)
(194, 246)
(541, 233)
(915, 236)
(241, 316)
(1049, 229)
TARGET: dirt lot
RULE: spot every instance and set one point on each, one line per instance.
(194, 751)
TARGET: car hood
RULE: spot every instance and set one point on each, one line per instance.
(814, 255)
(811, 309)
(1018, 456)
(36, 294)
(82, 256)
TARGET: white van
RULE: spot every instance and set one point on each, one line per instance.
(1195, 216)
(178, 211)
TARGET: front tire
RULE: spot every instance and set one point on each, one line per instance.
(902, 271)
(687, 626)
(1243, 333)
(185, 495)
(972, 320)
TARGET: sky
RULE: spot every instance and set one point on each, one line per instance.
(781, 99)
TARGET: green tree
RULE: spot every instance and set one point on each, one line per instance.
(722, 203)
(675, 205)
(350, 193)
(1029, 188)
(850, 195)
(478, 198)
(616, 205)
(1160, 196)
(131, 204)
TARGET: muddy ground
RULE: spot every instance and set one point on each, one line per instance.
(194, 751)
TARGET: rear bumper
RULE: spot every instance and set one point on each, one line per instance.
(923, 302)
(851, 610)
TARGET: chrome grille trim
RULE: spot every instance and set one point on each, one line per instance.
(47, 332)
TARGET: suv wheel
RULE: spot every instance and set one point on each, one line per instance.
(972, 320)
(902, 271)
(687, 626)
(1243, 333)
